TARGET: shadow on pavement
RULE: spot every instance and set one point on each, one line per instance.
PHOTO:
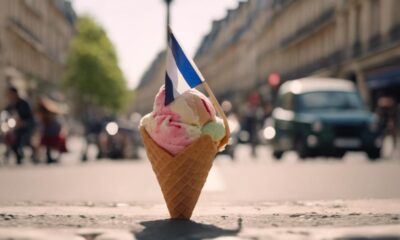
(183, 229)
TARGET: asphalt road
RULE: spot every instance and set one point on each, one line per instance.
(244, 180)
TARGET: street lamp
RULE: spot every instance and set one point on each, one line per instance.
(168, 2)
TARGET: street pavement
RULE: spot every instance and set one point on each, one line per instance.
(248, 198)
(245, 179)
(339, 219)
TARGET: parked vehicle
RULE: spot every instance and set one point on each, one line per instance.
(323, 117)
(118, 141)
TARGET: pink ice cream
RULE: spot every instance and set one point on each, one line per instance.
(175, 126)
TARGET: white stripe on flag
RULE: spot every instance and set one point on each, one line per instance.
(180, 84)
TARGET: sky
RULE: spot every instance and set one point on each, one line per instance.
(137, 27)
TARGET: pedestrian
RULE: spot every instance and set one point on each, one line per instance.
(21, 111)
(93, 128)
(387, 112)
(252, 118)
(52, 135)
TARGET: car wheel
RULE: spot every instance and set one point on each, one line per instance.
(301, 150)
(277, 155)
(100, 155)
(374, 154)
(84, 158)
(339, 155)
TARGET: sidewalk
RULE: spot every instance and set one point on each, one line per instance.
(355, 219)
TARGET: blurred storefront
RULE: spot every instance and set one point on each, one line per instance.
(384, 80)
(34, 43)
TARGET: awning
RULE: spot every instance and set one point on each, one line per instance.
(384, 78)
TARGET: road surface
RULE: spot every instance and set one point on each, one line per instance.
(243, 180)
(249, 198)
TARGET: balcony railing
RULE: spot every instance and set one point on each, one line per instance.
(356, 49)
(334, 59)
(16, 23)
(310, 27)
(280, 3)
(374, 42)
(395, 33)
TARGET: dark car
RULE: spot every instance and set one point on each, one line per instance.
(323, 117)
(118, 141)
(114, 139)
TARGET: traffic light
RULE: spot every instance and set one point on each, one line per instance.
(274, 79)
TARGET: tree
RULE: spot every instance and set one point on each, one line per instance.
(92, 71)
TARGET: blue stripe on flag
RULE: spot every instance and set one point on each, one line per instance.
(169, 90)
(184, 65)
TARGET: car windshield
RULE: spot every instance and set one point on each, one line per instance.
(329, 101)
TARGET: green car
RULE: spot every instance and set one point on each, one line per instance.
(323, 117)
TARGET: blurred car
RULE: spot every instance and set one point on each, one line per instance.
(322, 117)
(118, 141)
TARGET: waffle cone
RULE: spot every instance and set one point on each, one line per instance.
(181, 177)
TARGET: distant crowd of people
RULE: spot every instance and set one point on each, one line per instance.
(38, 127)
(26, 122)
(249, 118)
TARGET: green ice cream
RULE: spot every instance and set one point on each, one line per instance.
(215, 129)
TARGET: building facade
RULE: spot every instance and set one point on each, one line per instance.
(348, 39)
(353, 39)
(149, 85)
(34, 43)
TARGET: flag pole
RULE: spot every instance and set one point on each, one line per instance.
(214, 100)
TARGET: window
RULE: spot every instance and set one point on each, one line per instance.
(395, 13)
(286, 101)
(357, 24)
(322, 101)
(375, 17)
(29, 3)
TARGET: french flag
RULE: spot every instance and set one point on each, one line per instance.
(181, 72)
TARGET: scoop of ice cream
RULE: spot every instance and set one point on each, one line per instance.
(215, 129)
(171, 135)
(192, 107)
(175, 126)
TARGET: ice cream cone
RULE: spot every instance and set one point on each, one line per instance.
(181, 177)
